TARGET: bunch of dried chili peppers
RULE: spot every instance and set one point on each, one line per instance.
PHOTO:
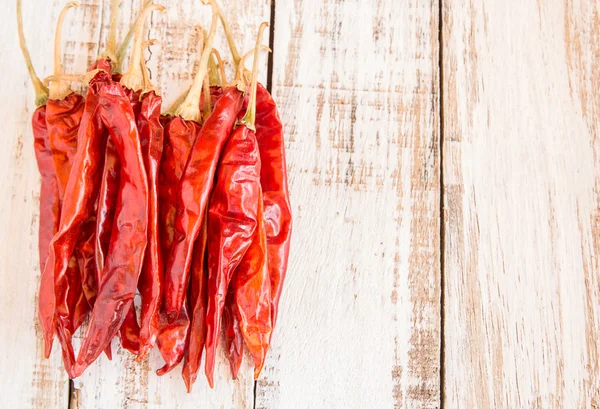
(189, 208)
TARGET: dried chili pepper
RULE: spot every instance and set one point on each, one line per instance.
(232, 216)
(49, 195)
(67, 305)
(150, 283)
(77, 205)
(130, 229)
(198, 294)
(63, 116)
(252, 296)
(197, 181)
(181, 135)
(274, 182)
(129, 332)
(234, 340)
(199, 300)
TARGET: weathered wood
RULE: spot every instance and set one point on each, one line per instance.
(359, 327)
(27, 379)
(521, 173)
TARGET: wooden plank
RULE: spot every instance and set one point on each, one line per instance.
(359, 326)
(26, 377)
(122, 382)
(521, 182)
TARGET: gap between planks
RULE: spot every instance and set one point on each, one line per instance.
(442, 194)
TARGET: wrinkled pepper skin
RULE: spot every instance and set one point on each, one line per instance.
(252, 289)
(150, 284)
(77, 207)
(173, 339)
(232, 220)
(198, 302)
(63, 118)
(129, 333)
(234, 341)
(130, 228)
(49, 219)
(192, 196)
(107, 203)
(179, 138)
(276, 199)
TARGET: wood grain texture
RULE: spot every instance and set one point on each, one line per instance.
(521, 172)
(359, 327)
(26, 378)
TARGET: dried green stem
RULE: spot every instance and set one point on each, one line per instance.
(250, 117)
(41, 92)
(60, 88)
(207, 102)
(190, 108)
(148, 86)
(241, 68)
(229, 36)
(111, 42)
(172, 110)
(127, 40)
(221, 66)
(133, 77)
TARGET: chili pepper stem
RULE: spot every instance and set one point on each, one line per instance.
(133, 77)
(190, 107)
(207, 105)
(229, 36)
(148, 86)
(59, 88)
(241, 70)
(120, 52)
(221, 66)
(200, 48)
(82, 78)
(111, 42)
(41, 92)
(249, 119)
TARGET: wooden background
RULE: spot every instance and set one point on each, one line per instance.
(445, 178)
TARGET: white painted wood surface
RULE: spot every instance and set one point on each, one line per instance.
(359, 325)
(360, 322)
(521, 182)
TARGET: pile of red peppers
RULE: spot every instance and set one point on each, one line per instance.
(186, 208)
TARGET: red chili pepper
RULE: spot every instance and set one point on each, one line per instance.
(234, 341)
(66, 301)
(276, 198)
(180, 135)
(196, 183)
(49, 199)
(232, 219)
(179, 138)
(274, 183)
(130, 229)
(63, 116)
(199, 299)
(129, 236)
(252, 289)
(150, 284)
(77, 205)
(129, 331)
